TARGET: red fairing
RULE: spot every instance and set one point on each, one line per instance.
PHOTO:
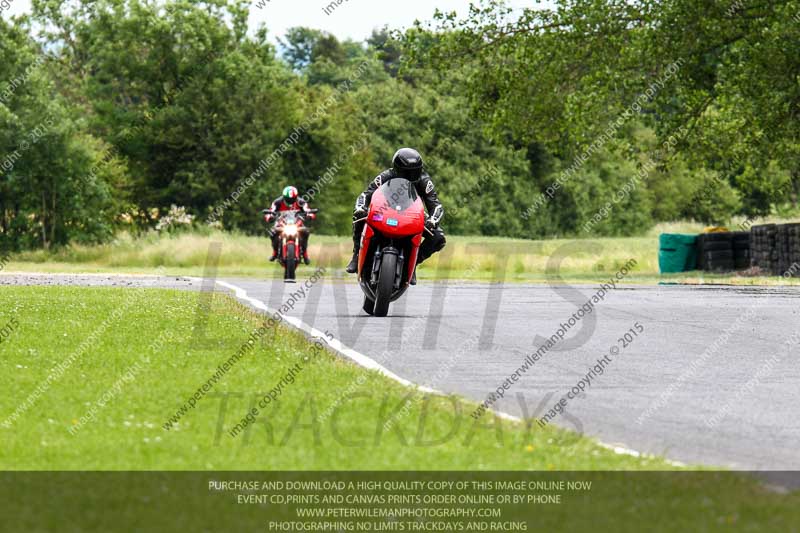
(412, 261)
(298, 222)
(366, 237)
(410, 222)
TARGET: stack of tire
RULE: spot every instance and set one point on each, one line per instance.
(763, 251)
(787, 249)
(701, 251)
(715, 252)
(740, 242)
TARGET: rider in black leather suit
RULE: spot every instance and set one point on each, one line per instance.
(406, 164)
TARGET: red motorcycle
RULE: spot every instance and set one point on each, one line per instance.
(290, 225)
(390, 244)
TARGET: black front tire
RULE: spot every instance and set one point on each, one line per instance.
(383, 292)
(291, 262)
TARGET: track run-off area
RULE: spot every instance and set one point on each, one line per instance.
(699, 374)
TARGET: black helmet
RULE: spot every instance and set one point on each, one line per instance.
(408, 164)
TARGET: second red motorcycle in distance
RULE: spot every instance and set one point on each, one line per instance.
(289, 225)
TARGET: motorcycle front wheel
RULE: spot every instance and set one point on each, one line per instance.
(383, 292)
(291, 262)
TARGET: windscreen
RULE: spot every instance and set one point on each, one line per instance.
(289, 217)
(400, 193)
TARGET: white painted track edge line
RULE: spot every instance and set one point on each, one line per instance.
(367, 362)
(334, 344)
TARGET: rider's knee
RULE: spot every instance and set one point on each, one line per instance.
(441, 241)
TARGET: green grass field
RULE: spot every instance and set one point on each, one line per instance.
(105, 333)
(125, 328)
(464, 258)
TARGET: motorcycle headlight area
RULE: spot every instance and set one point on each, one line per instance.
(290, 230)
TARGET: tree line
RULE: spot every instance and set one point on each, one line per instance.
(531, 123)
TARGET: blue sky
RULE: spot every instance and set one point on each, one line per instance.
(353, 19)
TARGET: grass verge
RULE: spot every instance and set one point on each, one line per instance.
(464, 258)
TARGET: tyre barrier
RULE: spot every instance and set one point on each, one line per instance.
(787, 249)
(763, 252)
(716, 251)
(783, 255)
(741, 250)
(773, 248)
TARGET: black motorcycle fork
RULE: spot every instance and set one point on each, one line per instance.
(376, 264)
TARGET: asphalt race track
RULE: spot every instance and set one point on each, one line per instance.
(468, 338)
(710, 379)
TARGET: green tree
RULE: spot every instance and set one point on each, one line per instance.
(50, 193)
(183, 94)
(725, 71)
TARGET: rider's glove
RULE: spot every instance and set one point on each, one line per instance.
(436, 217)
(360, 209)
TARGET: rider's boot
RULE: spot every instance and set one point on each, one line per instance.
(306, 260)
(352, 266)
(274, 256)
